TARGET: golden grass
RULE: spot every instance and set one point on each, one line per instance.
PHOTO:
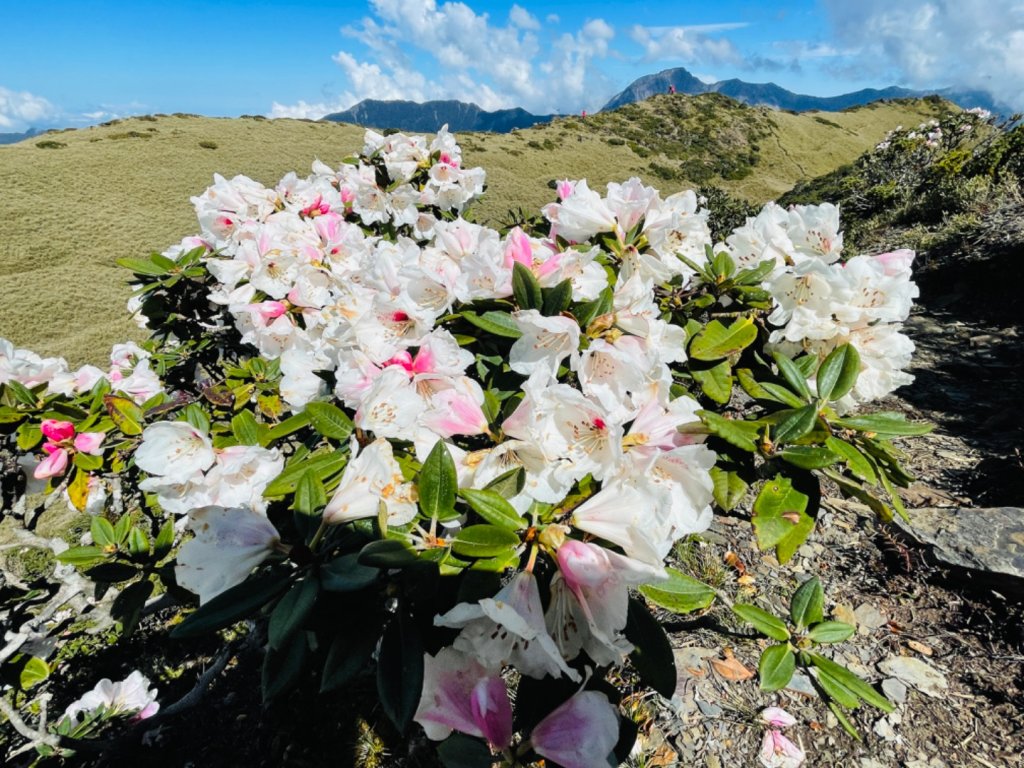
(67, 213)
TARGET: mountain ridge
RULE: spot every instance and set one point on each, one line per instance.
(459, 116)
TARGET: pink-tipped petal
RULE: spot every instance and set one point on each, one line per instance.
(52, 466)
(492, 711)
(89, 442)
(777, 717)
(581, 733)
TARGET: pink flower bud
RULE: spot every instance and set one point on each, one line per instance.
(565, 188)
(583, 565)
(581, 733)
(897, 262)
(518, 249)
(89, 442)
(58, 431)
(53, 465)
(268, 310)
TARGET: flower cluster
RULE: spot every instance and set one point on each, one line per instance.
(821, 302)
(131, 696)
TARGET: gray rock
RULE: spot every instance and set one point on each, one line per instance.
(869, 618)
(915, 673)
(708, 709)
(894, 690)
(800, 683)
(987, 540)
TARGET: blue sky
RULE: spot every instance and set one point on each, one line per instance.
(72, 63)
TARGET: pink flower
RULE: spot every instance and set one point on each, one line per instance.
(581, 733)
(518, 249)
(57, 431)
(455, 412)
(89, 442)
(54, 464)
(897, 262)
(777, 751)
(268, 310)
(459, 694)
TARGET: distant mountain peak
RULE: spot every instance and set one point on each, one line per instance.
(432, 115)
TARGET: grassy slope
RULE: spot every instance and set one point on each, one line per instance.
(66, 214)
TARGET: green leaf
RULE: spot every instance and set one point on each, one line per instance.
(782, 394)
(438, 483)
(807, 606)
(138, 542)
(715, 382)
(22, 394)
(886, 424)
(347, 574)
(652, 655)
(196, 416)
(283, 668)
(587, 312)
(557, 299)
(764, 622)
(462, 751)
(324, 464)
(128, 605)
(717, 341)
(508, 484)
(808, 456)
(29, 436)
(329, 420)
(484, 541)
(857, 463)
(497, 323)
(232, 605)
(386, 553)
(776, 667)
(795, 424)
(851, 682)
(125, 414)
(81, 557)
(291, 611)
(87, 462)
(287, 427)
(793, 375)
(831, 632)
(493, 508)
(780, 518)
(351, 653)
(400, 671)
(141, 266)
(838, 373)
(122, 528)
(245, 429)
(680, 593)
(844, 720)
(164, 540)
(102, 532)
(729, 488)
(737, 432)
(756, 274)
(525, 288)
(33, 673)
(310, 494)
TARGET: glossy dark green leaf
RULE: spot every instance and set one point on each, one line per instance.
(33, 673)
(793, 375)
(323, 463)
(350, 654)
(851, 682)
(283, 668)
(795, 424)
(557, 298)
(679, 593)
(438, 483)
(737, 432)
(310, 494)
(497, 323)
(494, 509)
(525, 288)
(838, 373)
(808, 456)
(386, 553)
(807, 606)
(164, 540)
(461, 751)
(233, 605)
(287, 427)
(347, 574)
(81, 556)
(886, 424)
(138, 542)
(764, 622)
(652, 655)
(125, 413)
(857, 463)
(484, 541)
(128, 605)
(291, 611)
(102, 532)
(715, 382)
(400, 670)
(776, 667)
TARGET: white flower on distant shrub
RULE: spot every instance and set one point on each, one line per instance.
(131, 696)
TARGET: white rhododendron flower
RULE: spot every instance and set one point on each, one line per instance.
(227, 545)
(371, 479)
(174, 451)
(131, 696)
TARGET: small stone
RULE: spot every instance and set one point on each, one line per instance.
(869, 618)
(884, 729)
(844, 613)
(708, 709)
(713, 761)
(801, 683)
(894, 690)
(915, 673)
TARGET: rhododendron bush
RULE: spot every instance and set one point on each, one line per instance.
(462, 456)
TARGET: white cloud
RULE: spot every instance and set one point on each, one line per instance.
(522, 18)
(476, 59)
(20, 110)
(687, 44)
(962, 43)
